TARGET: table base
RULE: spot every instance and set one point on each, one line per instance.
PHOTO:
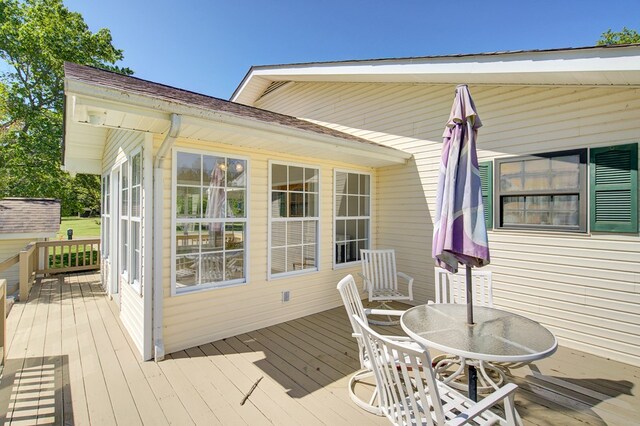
(450, 369)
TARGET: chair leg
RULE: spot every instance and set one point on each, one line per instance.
(372, 406)
(384, 305)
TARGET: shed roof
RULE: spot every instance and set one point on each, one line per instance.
(29, 216)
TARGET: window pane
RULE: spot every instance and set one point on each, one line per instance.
(311, 207)
(124, 245)
(309, 231)
(353, 185)
(296, 179)
(212, 237)
(187, 238)
(311, 180)
(186, 270)
(235, 203)
(341, 183)
(567, 180)
(279, 177)
(513, 217)
(213, 171)
(294, 233)
(188, 169)
(278, 234)
(352, 229)
(364, 206)
(234, 265)
(536, 182)
(124, 205)
(278, 260)
(539, 165)
(187, 202)
(341, 230)
(234, 236)
(236, 173)
(569, 163)
(362, 245)
(294, 258)
(296, 204)
(136, 170)
(365, 184)
(279, 204)
(352, 205)
(341, 208)
(135, 201)
(363, 229)
(309, 253)
(214, 202)
(135, 251)
(211, 268)
(511, 183)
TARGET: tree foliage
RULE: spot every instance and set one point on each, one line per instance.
(626, 36)
(36, 38)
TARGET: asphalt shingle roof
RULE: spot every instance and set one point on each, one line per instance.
(29, 215)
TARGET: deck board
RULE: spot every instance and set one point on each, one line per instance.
(70, 361)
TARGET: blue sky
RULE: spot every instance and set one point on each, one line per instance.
(207, 46)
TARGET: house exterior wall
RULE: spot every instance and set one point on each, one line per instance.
(208, 315)
(120, 144)
(584, 287)
(9, 248)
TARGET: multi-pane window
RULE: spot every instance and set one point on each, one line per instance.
(294, 218)
(210, 220)
(135, 217)
(124, 219)
(106, 214)
(542, 191)
(352, 215)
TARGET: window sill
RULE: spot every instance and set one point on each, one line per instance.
(204, 288)
(293, 274)
(552, 232)
(337, 266)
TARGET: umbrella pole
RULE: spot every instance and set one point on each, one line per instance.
(472, 373)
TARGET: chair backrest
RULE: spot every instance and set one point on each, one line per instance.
(353, 304)
(451, 288)
(406, 383)
(379, 267)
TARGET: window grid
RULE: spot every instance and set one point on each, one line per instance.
(210, 221)
(352, 215)
(294, 219)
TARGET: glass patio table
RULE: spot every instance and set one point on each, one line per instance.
(496, 335)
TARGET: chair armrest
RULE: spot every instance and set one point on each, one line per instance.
(501, 394)
(385, 312)
(409, 281)
(366, 284)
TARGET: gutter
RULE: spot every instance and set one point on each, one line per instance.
(158, 218)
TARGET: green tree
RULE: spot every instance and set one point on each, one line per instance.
(36, 38)
(626, 36)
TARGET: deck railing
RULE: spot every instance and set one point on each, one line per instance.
(68, 256)
(28, 267)
(3, 322)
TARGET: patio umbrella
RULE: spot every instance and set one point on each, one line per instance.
(460, 233)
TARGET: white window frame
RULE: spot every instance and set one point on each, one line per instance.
(124, 221)
(106, 215)
(174, 220)
(136, 282)
(336, 217)
(317, 218)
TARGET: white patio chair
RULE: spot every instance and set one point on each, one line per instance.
(353, 304)
(381, 280)
(451, 288)
(410, 394)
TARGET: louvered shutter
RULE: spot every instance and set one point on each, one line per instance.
(614, 188)
(486, 177)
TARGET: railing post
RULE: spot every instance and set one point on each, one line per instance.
(24, 275)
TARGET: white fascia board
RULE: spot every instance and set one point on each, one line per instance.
(96, 96)
(604, 66)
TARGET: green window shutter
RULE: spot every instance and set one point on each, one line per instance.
(486, 177)
(614, 188)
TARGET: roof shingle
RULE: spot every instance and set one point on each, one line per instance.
(29, 215)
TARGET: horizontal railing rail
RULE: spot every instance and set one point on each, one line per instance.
(8, 263)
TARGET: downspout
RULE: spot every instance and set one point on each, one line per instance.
(158, 218)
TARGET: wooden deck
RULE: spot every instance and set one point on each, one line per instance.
(70, 362)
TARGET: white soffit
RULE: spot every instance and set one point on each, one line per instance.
(607, 66)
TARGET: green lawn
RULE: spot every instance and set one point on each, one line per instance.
(82, 227)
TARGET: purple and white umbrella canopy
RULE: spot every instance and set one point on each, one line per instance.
(460, 233)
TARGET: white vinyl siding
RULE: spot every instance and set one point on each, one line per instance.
(585, 287)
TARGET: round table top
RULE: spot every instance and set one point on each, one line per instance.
(497, 335)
